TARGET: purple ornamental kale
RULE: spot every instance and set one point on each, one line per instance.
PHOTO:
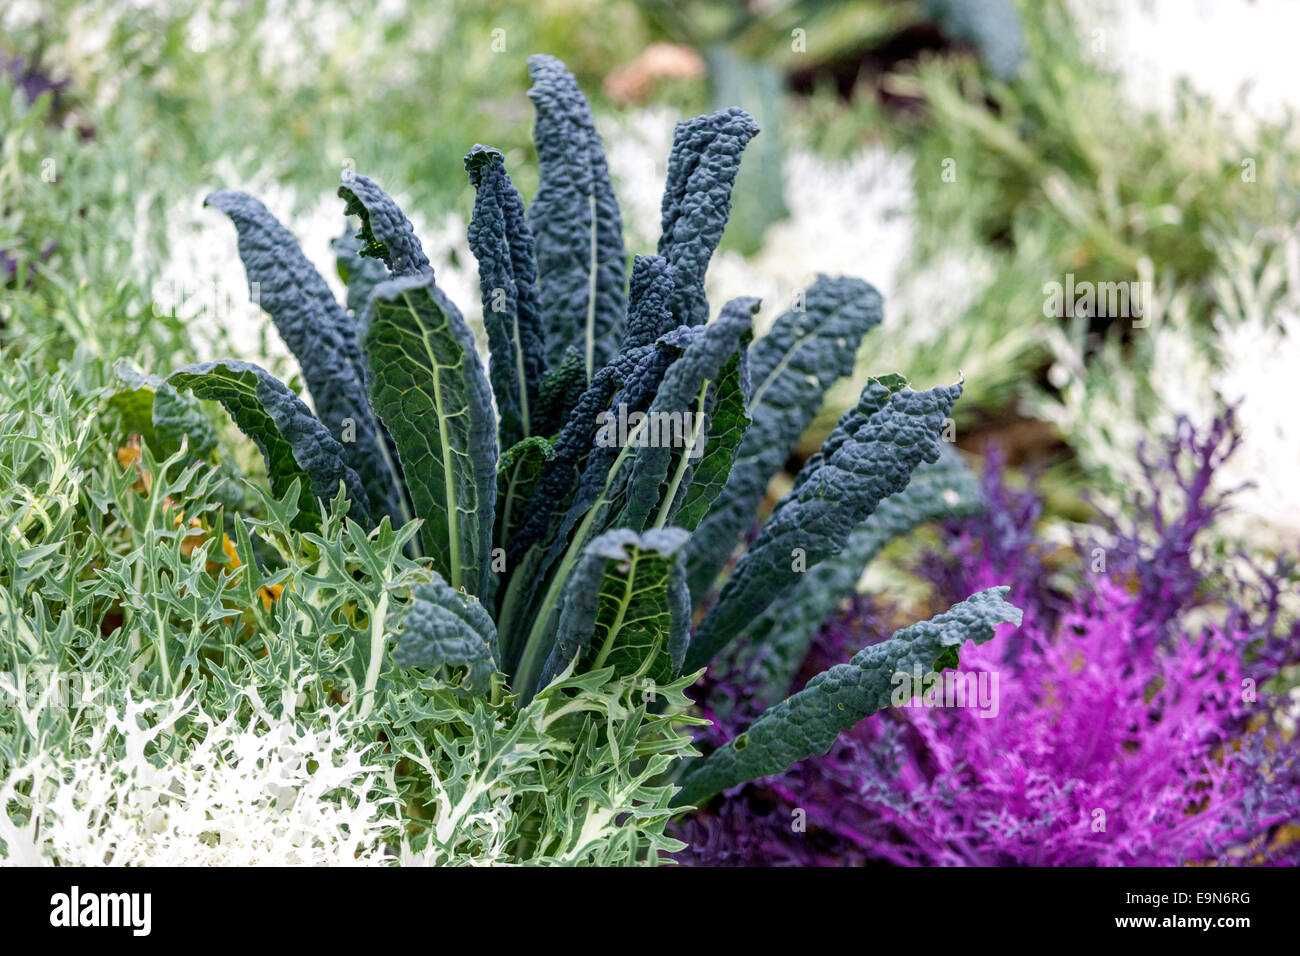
(33, 81)
(1130, 725)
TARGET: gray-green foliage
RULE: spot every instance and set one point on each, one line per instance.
(126, 579)
(385, 231)
(779, 639)
(428, 387)
(869, 456)
(319, 331)
(576, 222)
(626, 606)
(807, 350)
(808, 722)
(500, 238)
(294, 443)
(610, 515)
(442, 627)
(697, 201)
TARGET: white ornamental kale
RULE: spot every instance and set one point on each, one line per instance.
(263, 789)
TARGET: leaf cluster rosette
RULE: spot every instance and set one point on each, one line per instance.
(555, 542)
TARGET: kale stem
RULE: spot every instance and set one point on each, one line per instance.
(531, 661)
(378, 614)
(684, 462)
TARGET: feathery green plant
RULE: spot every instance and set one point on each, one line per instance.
(131, 591)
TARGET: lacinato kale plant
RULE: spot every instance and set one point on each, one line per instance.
(581, 501)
